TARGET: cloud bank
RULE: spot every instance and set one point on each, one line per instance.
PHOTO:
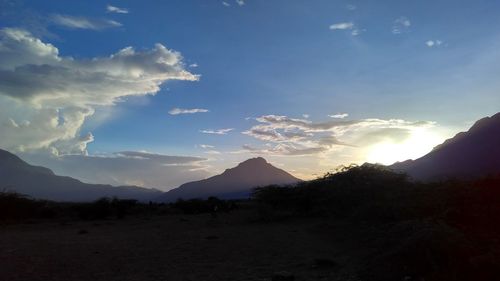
(299, 137)
(45, 98)
(139, 168)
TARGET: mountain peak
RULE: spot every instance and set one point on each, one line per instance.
(254, 161)
(234, 183)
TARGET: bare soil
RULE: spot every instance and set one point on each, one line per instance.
(180, 247)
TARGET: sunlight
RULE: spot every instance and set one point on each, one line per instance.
(418, 144)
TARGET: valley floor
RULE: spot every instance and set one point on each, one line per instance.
(174, 247)
(227, 247)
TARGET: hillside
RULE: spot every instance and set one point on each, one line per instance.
(470, 154)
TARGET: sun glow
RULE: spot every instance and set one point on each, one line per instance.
(420, 142)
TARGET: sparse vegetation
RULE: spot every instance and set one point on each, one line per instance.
(438, 231)
(197, 206)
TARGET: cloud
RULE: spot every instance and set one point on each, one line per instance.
(205, 146)
(433, 43)
(217, 132)
(305, 115)
(240, 2)
(294, 137)
(193, 65)
(126, 168)
(226, 4)
(212, 152)
(46, 98)
(401, 25)
(346, 26)
(114, 9)
(177, 111)
(351, 7)
(342, 26)
(84, 23)
(395, 135)
(339, 115)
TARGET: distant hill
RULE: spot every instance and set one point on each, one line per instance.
(470, 154)
(233, 183)
(41, 183)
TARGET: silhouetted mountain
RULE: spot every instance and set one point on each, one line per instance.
(41, 183)
(233, 183)
(470, 154)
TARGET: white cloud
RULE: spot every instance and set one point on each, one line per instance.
(212, 152)
(193, 65)
(351, 7)
(433, 43)
(45, 98)
(240, 2)
(339, 115)
(205, 146)
(294, 137)
(177, 111)
(305, 115)
(226, 3)
(84, 23)
(401, 25)
(126, 168)
(217, 132)
(342, 26)
(346, 26)
(114, 9)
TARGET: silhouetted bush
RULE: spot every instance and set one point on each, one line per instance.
(106, 208)
(436, 231)
(14, 206)
(198, 206)
(353, 191)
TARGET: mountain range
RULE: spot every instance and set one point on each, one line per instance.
(41, 183)
(467, 155)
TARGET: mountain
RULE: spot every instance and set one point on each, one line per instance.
(41, 183)
(233, 183)
(470, 154)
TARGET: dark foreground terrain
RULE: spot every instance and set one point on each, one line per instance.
(179, 247)
(364, 223)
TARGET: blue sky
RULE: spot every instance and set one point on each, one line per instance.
(419, 62)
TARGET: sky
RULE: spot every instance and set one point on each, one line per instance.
(158, 93)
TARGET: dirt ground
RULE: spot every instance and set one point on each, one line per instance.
(177, 247)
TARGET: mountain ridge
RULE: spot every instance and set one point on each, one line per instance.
(469, 154)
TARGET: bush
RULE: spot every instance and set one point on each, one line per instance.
(14, 206)
(354, 190)
(198, 206)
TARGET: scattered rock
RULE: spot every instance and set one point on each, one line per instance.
(283, 276)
